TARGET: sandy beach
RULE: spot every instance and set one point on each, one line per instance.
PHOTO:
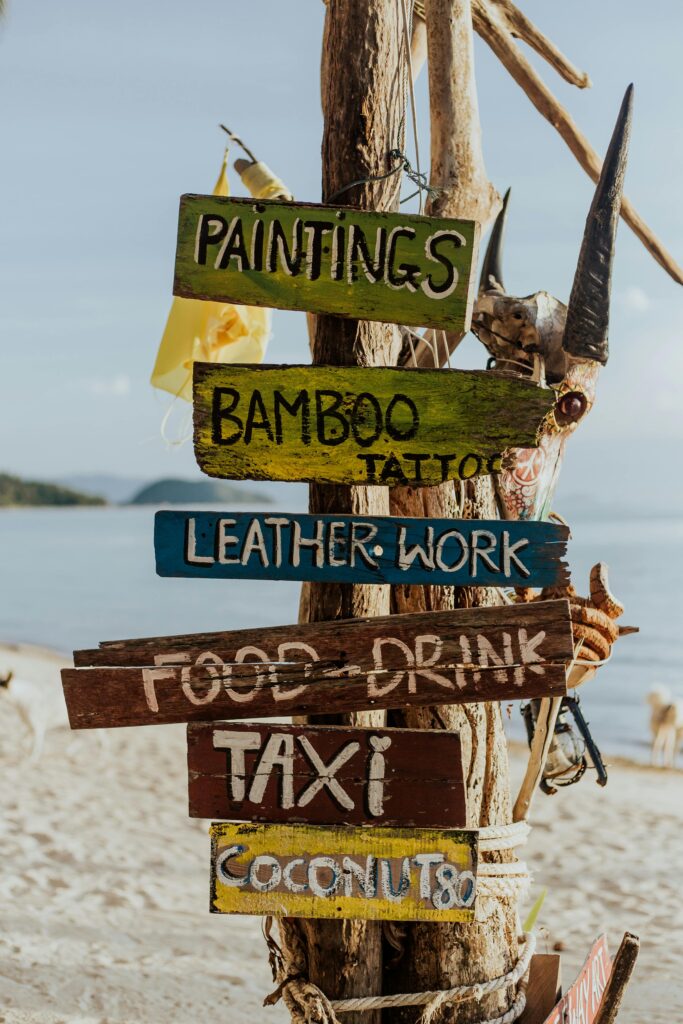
(104, 889)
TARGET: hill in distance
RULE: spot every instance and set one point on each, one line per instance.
(113, 488)
(15, 492)
(194, 492)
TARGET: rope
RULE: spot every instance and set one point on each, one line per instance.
(503, 837)
(503, 881)
(434, 1000)
(308, 1004)
(518, 868)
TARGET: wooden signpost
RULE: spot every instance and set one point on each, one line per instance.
(362, 425)
(325, 775)
(355, 549)
(364, 264)
(323, 871)
(476, 654)
(582, 1000)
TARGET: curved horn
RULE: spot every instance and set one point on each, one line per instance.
(492, 268)
(587, 326)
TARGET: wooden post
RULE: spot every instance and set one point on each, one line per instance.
(545, 729)
(442, 955)
(363, 100)
(622, 969)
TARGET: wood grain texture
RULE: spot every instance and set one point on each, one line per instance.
(505, 653)
(620, 975)
(544, 989)
(401, 874)
(437, 956)
(582, 999)
(272, 773)
(391, 267)
(360, 425)
(354, 549)
(363, 105)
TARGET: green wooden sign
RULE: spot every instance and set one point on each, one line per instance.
(360, 425)
(327, 259)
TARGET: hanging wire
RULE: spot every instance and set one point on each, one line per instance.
(236, 139)
(413, 111)
(403, 165)
(416, 175)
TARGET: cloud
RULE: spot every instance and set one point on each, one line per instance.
(634, 299)
(117, 386)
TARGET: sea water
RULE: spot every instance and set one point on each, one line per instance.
(75, 576)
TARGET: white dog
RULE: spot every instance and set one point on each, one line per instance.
(30, 681)
(666, 725)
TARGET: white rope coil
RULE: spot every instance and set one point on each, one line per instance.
(518, 868)
(434, 1000)
(499, 888)
(503, 837)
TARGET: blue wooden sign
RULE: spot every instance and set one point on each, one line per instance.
(356, 549)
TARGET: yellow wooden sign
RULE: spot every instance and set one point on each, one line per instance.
(360, 424)
(391, 874)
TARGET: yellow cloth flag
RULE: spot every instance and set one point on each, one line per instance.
(211, 332)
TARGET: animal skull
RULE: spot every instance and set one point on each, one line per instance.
(538, 336)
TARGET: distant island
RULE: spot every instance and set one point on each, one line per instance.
(15, 492)
(102, 489)
(192, 492)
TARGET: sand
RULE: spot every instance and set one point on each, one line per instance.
(104, 885)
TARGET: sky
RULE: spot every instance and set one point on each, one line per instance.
(110, 111)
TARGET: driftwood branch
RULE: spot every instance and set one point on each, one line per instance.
(622, 969)
(493, 23)
(538, 755)
(445, 955)
(522, 28)
(457, 159)
(500, 23)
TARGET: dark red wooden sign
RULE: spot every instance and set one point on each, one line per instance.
(470, 654)
(325, 775)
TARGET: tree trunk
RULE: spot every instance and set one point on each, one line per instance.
(363, 98)
(439, 956)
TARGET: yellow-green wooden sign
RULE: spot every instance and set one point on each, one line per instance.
(391, 874)
(360, 425)
(327, 259)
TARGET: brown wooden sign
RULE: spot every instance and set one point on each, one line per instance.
(325, 775)
(452, 657)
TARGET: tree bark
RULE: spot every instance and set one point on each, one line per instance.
(457, 157)
(363, 97)
(437, 956)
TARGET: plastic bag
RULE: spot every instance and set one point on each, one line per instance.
(211, 332)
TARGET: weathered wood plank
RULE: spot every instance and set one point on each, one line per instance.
(544, 988)
(391, 267)
(582, 999)
(357, 549)
(364, 425)
(503, 653)
(617, 983)
(322, 871)
(276, 773)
